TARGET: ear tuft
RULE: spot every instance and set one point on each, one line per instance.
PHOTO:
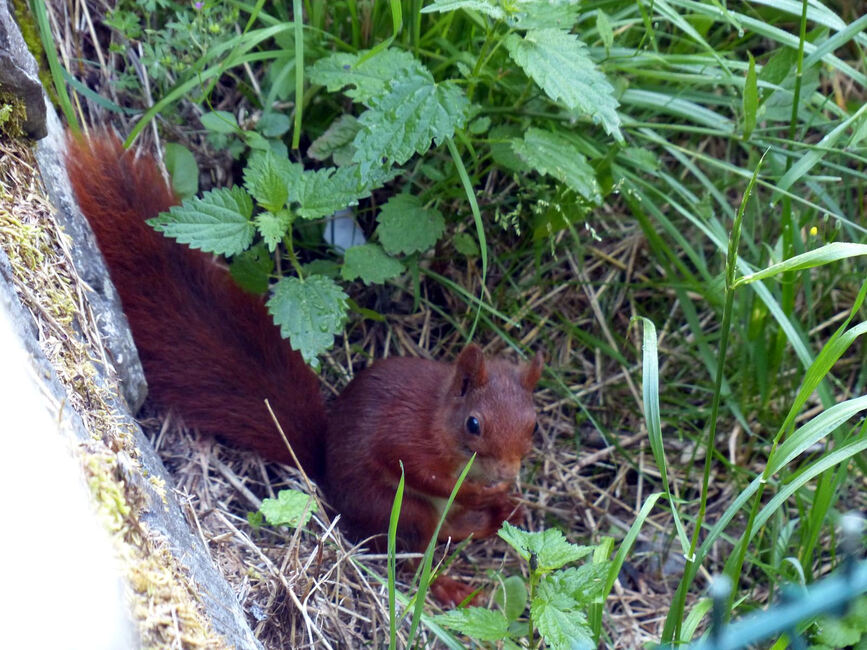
(470, 369)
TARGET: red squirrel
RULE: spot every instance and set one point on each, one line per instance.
(211, 352)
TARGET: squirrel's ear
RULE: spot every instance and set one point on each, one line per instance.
(470, 370)
(532, 372)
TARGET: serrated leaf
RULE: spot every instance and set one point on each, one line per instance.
(272, 226)
(309, 313)
(487, 7)
(290, 508)
(271, 179)
(218, 222)
(562, 628)
(552, 154)
(581, 584)
(405, 120)
(406, 226)
(549, 547)
(325, 191)
(220, 122)
(476, 622)
(501, 149)
(336, 141)
(322, 266)
(558, 14)
(370, 263)
(560, 64)
(182, 167)
(252, 269)
(639, 158)
(366, 73)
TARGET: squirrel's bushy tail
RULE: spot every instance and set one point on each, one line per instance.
(210, 350)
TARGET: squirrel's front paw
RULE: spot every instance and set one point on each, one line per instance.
(450, 593)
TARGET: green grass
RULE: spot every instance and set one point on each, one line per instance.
(732, 220)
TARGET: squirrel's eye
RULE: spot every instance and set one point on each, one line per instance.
(536, 428)
(473, 425)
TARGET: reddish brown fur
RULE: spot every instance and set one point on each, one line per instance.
(415, 411)
(209, 350)
(211, 353)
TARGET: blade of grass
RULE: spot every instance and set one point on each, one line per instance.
(243, 42)
(427, 560)
(477, 218)
(650, 399)
(826, 254)
(40, 14)
(674, 619)
(298, 23)
(392, 570)
(625, 547)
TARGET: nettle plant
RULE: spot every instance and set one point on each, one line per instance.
(399, 108)
(559, 598)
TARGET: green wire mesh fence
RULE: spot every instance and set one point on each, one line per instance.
(831, 595)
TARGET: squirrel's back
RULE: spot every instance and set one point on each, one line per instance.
(210, 350)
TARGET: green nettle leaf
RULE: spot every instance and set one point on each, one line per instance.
(336, 141)
(182, 167)
(370, 263)
(270, 179)
(309, 313)
(476, 622)
(560, 14)
(367, 73)
(405, 120)
(325, 191)
(220, 122)
(406, 226)
(272, 226)
(548, 546)
(561, 65)
(252, 269)
(501, 137)
(643, 159)
(290, 508)
(583, 584)
(554, 155)
(562, 628)
(322, 266)
(218, 222)
(488, 7)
